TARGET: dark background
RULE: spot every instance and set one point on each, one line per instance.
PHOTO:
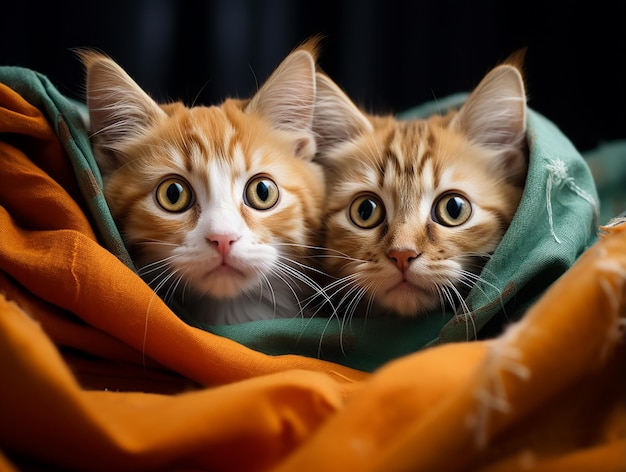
(388, 55)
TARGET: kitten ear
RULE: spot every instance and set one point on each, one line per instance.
(287, 99)
(337, 119)
(119, 109)
(494, 116)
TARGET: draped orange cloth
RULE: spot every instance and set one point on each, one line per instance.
(98, 374)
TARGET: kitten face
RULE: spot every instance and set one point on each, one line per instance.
(415, 207)
(216, 202)
(220, 211)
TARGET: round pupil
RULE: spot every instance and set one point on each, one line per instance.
(173, 192)
(454, 207)
(366, 209)
(262, 191)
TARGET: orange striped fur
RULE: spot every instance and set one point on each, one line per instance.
(415, 208)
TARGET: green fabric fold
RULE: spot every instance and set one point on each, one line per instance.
(69, 119)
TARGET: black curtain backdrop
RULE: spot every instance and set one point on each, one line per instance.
(388, 55)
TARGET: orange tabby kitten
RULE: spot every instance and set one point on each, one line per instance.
(217, 205)
(414, 208)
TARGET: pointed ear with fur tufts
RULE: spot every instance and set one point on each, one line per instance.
(119, 110)
(337, 119)
(494, 117)
(287, 99)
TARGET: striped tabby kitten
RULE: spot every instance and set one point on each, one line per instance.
(216, 205)
(414, 208)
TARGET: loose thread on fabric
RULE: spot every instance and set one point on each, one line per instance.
(557, 177)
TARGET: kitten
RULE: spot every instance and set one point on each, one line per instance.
(414, 208)
(216, 205)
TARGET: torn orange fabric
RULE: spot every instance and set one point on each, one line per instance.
(550, 392)
(94, 381)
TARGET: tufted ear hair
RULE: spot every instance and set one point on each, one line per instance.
(337, 119)
(287, 100)
(119, 110)
(494, 116)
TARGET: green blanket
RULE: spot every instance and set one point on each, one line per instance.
(555, 223)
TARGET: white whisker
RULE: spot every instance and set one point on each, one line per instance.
(266, 280)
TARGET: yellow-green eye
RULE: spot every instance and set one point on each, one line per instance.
(261, 193)
(367, 211)
(452, 209)
(174, 195)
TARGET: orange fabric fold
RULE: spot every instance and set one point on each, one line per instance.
(551, 391)
(104, 430)
(99, 374)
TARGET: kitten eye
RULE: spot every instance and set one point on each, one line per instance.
(452, 209)
(367, 211)
(261, 193)
(174, 195)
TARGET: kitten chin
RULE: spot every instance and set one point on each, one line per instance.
(218, 206)
(258, 305)
(415, 208)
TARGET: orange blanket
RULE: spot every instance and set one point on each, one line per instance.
(92, 380)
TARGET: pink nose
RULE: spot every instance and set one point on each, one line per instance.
(402, 258)
(222, 242)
